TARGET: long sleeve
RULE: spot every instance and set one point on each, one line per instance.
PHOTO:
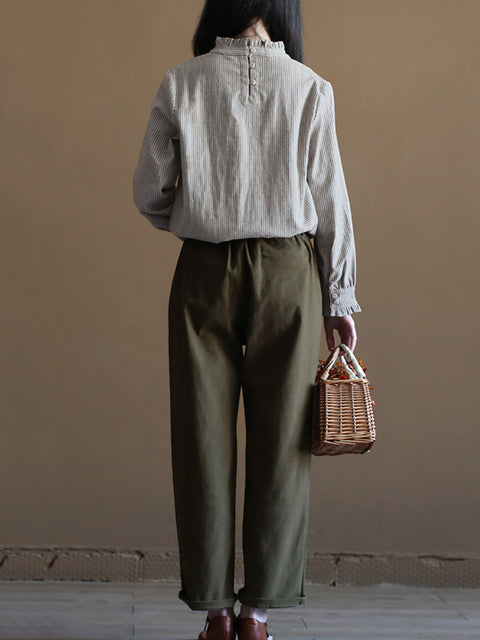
(334, 243)
(158, 167)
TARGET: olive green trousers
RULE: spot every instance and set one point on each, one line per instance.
(263, 293)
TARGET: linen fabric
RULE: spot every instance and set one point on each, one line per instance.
(241, 142)
(262, 293)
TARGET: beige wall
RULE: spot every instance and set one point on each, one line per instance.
(85, 407)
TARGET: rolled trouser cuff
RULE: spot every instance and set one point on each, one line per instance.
(270, 603)
(204, 605)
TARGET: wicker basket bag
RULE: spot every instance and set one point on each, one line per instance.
(343, 420)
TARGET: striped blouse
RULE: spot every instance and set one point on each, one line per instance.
(241, 142)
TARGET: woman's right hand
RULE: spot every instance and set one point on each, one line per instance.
(345, 325)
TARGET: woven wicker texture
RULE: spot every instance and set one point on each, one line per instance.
(343, 419)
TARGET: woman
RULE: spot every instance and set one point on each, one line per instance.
(241, 162)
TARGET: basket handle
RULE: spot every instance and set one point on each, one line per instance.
(333, 357)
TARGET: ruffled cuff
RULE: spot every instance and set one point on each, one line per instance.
(339, 301)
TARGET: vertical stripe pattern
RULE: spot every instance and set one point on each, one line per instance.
(241, 142)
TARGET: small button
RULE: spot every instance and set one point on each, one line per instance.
(334, 295)
(252, 49)
(252, 64)
(253, 82)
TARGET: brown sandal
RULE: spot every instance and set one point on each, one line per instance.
(219, 628)
(252, 629)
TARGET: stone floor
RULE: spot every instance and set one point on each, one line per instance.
(152, 611)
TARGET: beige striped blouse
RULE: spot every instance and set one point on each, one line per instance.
(241, 142)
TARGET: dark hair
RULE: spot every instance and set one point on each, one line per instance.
(228, 18)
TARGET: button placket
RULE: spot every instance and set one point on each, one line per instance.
(252, 80)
